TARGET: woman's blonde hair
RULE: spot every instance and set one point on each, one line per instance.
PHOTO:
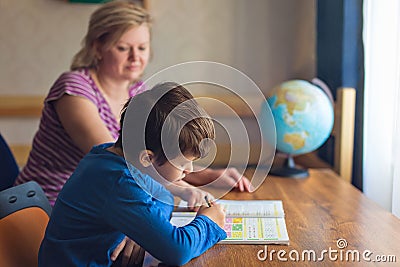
(106, 26)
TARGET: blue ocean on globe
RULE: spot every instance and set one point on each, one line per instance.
(303, 116)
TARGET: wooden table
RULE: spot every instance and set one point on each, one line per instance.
(320, 210)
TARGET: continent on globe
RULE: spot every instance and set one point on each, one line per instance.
(297, 140)
(294, 98)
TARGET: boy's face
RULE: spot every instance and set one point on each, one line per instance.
(176, 169)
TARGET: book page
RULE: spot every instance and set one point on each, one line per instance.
(150, 261)
(243, 208)
(242, 230)
(247, 222)
(255, 231)
(253, 208)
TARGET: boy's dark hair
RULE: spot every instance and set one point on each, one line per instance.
(171, 106)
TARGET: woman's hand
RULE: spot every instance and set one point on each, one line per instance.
(221, 178)
(195, 197)
(132, 253)
(232, 178)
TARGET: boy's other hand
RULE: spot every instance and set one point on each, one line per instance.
(216, 213)
(128, 253)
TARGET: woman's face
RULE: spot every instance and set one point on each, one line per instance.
(127, 59)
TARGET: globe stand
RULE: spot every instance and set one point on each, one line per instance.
(289, 170)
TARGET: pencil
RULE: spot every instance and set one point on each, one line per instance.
(207, 201)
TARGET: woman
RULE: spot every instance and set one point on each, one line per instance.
(83, 106)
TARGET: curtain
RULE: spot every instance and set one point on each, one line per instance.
(340, 63)
(381, 163)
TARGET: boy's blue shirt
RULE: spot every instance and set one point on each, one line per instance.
(101, 203)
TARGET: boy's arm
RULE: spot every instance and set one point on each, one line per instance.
(144, 221)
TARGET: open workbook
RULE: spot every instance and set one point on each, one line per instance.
(247, 221)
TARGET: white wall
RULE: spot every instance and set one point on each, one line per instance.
(269, 40)
(38, 39)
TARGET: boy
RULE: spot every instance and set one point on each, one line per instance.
(113, 191)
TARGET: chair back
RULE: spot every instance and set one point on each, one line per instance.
(8, 167)
(343, 132)
(24, 214)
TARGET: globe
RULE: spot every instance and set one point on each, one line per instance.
(303, 115)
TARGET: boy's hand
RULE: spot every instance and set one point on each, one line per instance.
(216, 213)
(195, 197)
(131, 253)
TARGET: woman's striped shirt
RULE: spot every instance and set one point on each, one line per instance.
(54, 156)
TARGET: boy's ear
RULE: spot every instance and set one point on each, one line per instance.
(146, 157)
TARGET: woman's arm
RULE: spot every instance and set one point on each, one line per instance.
(224, 178)
(80, 119)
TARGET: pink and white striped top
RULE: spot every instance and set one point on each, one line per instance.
(54, 156)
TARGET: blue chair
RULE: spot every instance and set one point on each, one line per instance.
(8, 166)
